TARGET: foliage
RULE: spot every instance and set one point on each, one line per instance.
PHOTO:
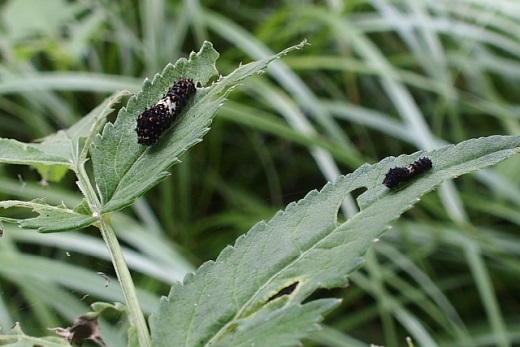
(123, 169)
(236, 301)
(379, 78)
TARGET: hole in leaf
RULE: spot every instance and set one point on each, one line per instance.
(356, 193)
(350, 204)
(284, 291)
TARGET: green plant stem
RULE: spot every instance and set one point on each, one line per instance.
(127, 285)
(118, 260)
(87, 189)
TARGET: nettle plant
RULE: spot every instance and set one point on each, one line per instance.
(257, 292)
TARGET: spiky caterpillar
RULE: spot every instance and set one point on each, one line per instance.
(397, 175)
(155, 120)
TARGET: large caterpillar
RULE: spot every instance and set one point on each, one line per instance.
(155, 120)
(397, 175)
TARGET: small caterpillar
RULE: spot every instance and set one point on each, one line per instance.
(397, 175)
(155, 120)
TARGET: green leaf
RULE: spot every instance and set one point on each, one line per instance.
(90, 125)
(279, 327)
(277, 265)
(17, 338)
(99, 307)
(16, 152)
(123, 169)
(51, 173)
(51, 218)
(66, 149)
(62, 149)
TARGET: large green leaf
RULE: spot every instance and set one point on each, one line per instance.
(124, 169)
(237, 300)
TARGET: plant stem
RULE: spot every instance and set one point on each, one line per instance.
(125, 279)
(118, 260)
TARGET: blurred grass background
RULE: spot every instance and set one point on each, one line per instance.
(379, 78)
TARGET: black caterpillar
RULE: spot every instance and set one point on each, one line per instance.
(153, 121)
(397, 175)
